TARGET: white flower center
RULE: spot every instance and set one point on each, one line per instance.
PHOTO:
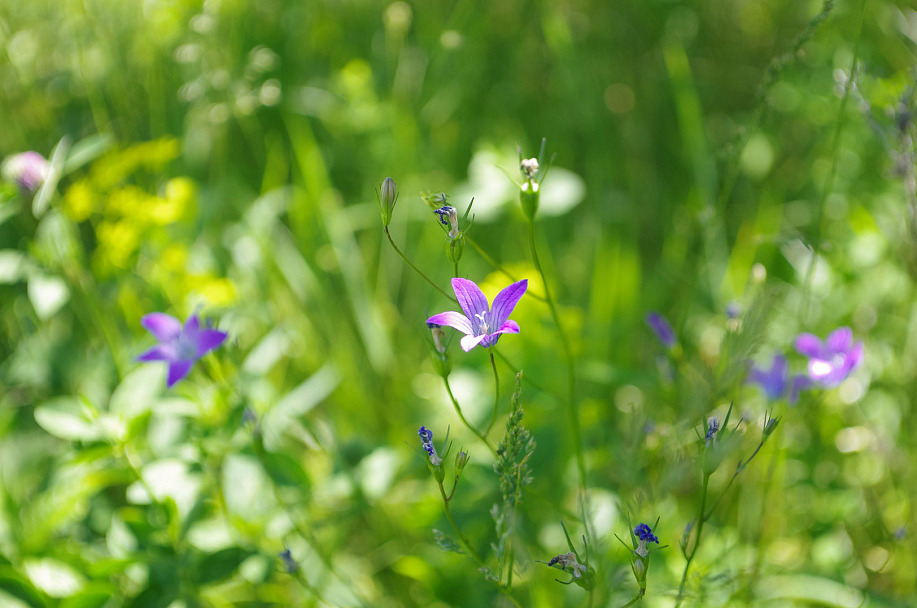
(482, 324)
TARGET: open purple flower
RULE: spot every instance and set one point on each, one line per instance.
(777, 382)
(831, 361)
(662, 328)
(179, 345)
(482, 324)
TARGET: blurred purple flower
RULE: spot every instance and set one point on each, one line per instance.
(777, 382)
(481, 324)
(28, 169)
(662, 328)
(179, 345)
(831, 361)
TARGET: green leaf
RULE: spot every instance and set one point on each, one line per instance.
(221, 565)
(284, 470)
(14, 584)
(68, 418)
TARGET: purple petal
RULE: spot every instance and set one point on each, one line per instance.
(840, 339)
(469, 342)
(508, 327)
(800, 383)
(160, 352)
(164, 327)
(662, 328)
(505, 301)
(808, 345)
(470, 297)
(207, 340)
(452, 319)
(192, 326)
(177, 371)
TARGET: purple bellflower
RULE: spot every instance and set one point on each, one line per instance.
(179, 345)
(481, 324)
(777, 382)
(662, 328)
(831, 361)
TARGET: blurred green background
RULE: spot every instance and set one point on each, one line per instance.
(223, 157)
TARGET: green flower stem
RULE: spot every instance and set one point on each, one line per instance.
(416, 269)
(458, 410)
(571, 365)
(739, 469)
(455, 269)
(527, 379)
(498, 267)
(493, 418)
(689, 556)
(474, 554)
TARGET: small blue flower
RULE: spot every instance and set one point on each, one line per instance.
(289, 564)
(713, 426)
(644, 533)
(426, 437)
(662, 328)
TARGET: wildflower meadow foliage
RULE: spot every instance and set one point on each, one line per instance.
(630, 321)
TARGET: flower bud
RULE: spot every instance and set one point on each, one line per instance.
(388, 196)
(529, 197)
(461, 459)
(455, 248)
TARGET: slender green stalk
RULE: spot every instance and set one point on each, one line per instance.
(739, 469)
(458, 410)
(498, 267)
(690, 556)
(474, 554)
(493, 418)
(455, 269)
(572, 410)
(832, 174)
(416, 269)
(527, 379)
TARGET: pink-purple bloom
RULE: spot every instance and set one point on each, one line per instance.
(831, 361)
(179, 345)
(777, 382)
(28, 169)
(662, 328)
(481, 324)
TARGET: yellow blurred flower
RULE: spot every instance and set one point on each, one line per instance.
(217, 291)
(79, 200)
(117, 242)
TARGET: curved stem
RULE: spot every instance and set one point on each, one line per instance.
(690, 556)
(458, 410)
(571, 366)
(498, 267)
(493, 418)
(416, 269)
